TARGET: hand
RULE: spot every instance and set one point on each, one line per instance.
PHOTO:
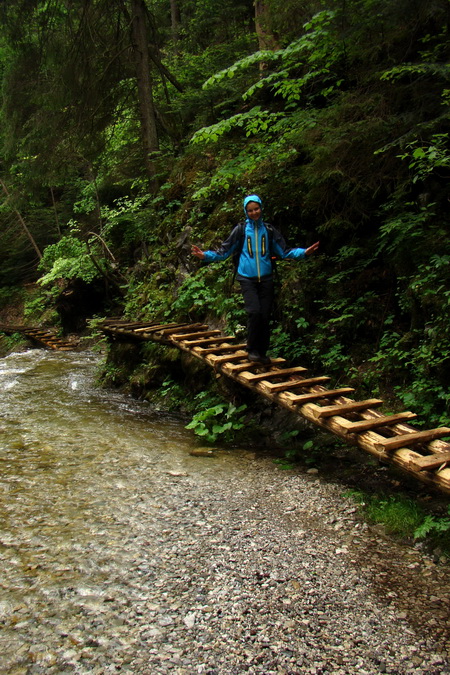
(195, 250)
(312, 248)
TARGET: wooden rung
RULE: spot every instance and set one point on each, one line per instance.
(152, 327)
(405, 440)
(220, 350)
(330, 411)
(276, 373)
(236, 368)
(274, 387)
(183, 332)
(129, 324)
(229, 357)
(383, 421)
(211, 341)
(430, 461)
(196, 333)
(317, 395)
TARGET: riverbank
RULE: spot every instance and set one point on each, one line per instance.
(122, 552)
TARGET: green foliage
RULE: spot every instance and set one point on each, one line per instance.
(207, 294)
(252, 122)
(68, 259)
(219, 422)
(424, 159)
(433, 525)
(399, 514)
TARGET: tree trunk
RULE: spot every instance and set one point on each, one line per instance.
(22, 223)
(175, 19)
(266, 38)
(145, 89)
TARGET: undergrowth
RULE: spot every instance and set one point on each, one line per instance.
(404, 516)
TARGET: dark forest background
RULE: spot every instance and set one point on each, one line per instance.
(131, 129)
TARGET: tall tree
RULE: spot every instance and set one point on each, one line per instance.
(149, 131)
(266, 36)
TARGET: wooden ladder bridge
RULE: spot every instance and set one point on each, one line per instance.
(389, 438)
(42, 336)
(420, 453)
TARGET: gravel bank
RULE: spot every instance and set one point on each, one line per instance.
(220, 566)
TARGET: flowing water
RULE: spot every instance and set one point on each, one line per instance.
(69, 451)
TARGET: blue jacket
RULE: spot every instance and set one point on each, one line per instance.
(255, 259)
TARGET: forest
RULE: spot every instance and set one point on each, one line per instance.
(132, 129)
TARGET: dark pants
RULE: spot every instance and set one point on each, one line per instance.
(258, 300)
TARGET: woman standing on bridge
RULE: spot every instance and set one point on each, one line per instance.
(253, 244)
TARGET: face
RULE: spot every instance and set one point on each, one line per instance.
(253, 210)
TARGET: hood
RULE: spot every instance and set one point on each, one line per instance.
(251, 198)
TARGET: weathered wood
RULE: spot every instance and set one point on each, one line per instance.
(196, 333)
(331, 410)
(220, 350)
(210, 341)
(295, 384)
(140, 325)
(152, 327)
(229, 357)
(240, 368)
(411, 439)
(317, 395)
(281, 372)
(430, 462)
(382, 421)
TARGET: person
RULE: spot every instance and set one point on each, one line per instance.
(255, 243)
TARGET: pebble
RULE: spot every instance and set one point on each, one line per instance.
(130, 561)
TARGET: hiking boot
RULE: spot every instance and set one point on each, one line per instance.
(254, 357)
(265, 360)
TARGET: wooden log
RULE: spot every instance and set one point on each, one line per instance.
(317, 395)
(430, 462)
(382, 421)
(295, 384)
(406, 440)
(331, 410)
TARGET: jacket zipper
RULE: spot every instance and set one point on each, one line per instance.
(258, 267)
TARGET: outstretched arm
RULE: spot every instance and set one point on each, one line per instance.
(312, 248)
(195, 250)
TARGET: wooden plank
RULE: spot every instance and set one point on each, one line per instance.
(330, 411)
(276, 373)
(274, 387)
(195, 333)
(229, 357)
(317, 395)
(210, 341)
(382, 421)
(220, 350)
(405, 440)
(126, 324)
(152, 327)
(239, 368)
(194, 327)
(430, 462)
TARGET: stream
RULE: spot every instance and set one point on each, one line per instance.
(122, 553)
